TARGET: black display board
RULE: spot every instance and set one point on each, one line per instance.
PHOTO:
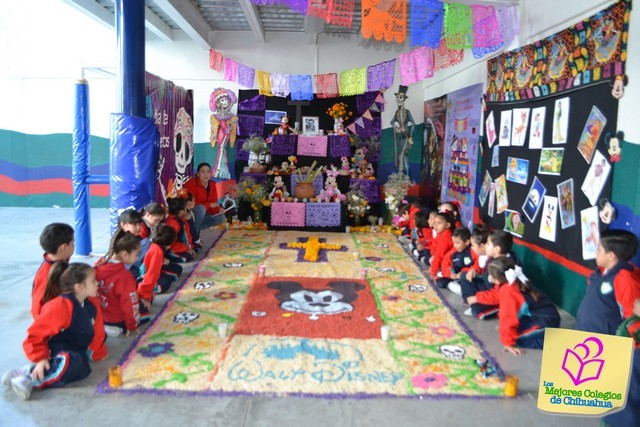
(568, 241)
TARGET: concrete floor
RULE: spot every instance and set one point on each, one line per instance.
(78, 404)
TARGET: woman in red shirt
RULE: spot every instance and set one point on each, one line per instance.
(206, 212)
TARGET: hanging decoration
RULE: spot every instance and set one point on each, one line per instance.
(246, 75)
(445, 57)
(280, 84)
(341, 13)
(301, 88)
(416, 65)
(230, 70)
(386, 19)
(380, 76)
(486, 31)
(298, 6)
(223, 128)
(264, 83)
(353, 82)
(458, 26)
(257, 103)
(319, 8)
(593, 50)
(215, 60)
(509, 21)
(327, 85)
(426, 22)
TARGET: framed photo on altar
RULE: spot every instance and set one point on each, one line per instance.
(310, 125)
(273, 117)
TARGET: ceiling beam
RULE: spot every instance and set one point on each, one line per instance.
(189, 19)
(312, 27)
(94, 10)
(253, 18)
(157, 26)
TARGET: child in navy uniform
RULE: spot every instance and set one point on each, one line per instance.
(58, 242)
(613, 289)
(65, 335)
(458, 260)
(480, 293)
(524, 311)
(118, 294)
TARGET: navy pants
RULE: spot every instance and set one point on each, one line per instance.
(471, 288)
(64, 368)
(180, 257)
(169, 274)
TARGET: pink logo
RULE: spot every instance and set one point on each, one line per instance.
(581, 364)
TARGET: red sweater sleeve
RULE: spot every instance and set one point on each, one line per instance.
(426, 236)
(442, 245)
(447, 263)
(153, 261)
(488, 297)
(54, 317)
(39, 286)
(510, 302)
(626, 287)
(178, 246)
(97, 346)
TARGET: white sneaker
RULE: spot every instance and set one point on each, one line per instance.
(112, 331)
(22, 386)
(455, 287)
(9, 375)
(468, 312)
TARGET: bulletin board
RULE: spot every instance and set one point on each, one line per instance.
(549, 158)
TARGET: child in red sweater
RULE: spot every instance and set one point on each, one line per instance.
(422, 234)
(157, 272)
(524, 311)
(66, 334)
(118, 294)
(58, 242)
(440, 244)
(182, 249)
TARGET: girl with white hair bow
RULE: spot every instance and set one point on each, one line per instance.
(524, 312)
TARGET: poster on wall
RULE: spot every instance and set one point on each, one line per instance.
(596, 178)
(520, 125)
(435, 113)
(560, 121)
(591, 133)
(549, 218)
(460, 157)
(590, 232)
(537, 127)
(505, 128)
(490, 130)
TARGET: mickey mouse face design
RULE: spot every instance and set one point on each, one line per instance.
(338, 299)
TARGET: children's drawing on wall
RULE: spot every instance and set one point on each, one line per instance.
(591, 133)
(567, 205)
(533, 203)
(549, 218)
(513, 223)
(590, 232)
(492, 200)
(551, 161)
(505, 128)
(596, 177)
(495, 157)
(520, 125)
(560, 121)
(502, 201)
(490, 127)
(537, 127)
(517, 170)
(484, 189)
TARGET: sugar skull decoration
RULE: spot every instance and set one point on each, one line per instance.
(223, 128)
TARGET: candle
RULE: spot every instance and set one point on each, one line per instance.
(385, 332)
(115, 376)
(222, 330)
(380, 221)
(363, 273)
(261, 269)
(511, 386)
(347, 229)
(356, 256)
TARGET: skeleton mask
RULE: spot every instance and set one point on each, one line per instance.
(185, 317)
(202, 285)
(183, 141)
